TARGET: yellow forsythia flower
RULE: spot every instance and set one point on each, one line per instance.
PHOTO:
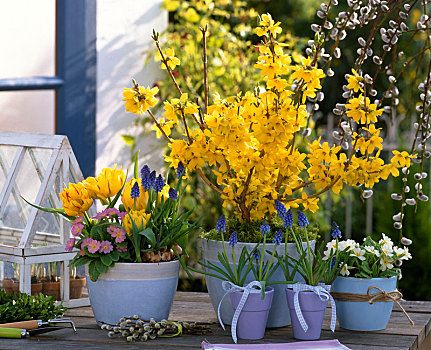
(140, 218)
(129, 202)
(106, 184)
(76, 199)
(170, 58)
(139, 99)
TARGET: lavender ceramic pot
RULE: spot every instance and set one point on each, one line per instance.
(313, 310)
(252, 320)
(127, 289)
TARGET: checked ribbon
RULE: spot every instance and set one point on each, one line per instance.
(322, 290)
(229, 287)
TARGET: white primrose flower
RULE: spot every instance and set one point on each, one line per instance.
(342, 245)
(327, 254)
(385, 240)
(387, 249)
(345, 270)
(406, 255)
(350, 244)
(359, 253)
(385, 263)
(332, 244)
(372, 250)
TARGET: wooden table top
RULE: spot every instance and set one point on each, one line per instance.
(196, 307)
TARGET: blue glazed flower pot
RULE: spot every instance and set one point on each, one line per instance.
(361, 315)
(279, 312)
(128, 289)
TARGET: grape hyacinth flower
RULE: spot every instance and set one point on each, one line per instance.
(336, 233)
(221, 224)
(256, 255)
(134, 192)
(105, 247)
(264, 228)
(278, 237)
(281, 209)
(233, 239)
(173, 194)
(145, 171)
(159, 183)
(302, 219)
(288, 219)
(152, 178)
(180, 169)
(145, 181)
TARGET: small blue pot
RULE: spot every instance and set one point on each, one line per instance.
(128, 289)
(361, 315)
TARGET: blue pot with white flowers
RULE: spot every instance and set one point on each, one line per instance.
(361, 315)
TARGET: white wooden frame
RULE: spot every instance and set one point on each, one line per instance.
(62, 163)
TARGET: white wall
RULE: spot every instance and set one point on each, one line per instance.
(124, 31)
(27, 47)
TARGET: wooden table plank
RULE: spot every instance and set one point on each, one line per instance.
(399, 334)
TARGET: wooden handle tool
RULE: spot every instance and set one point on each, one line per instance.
(32, 324)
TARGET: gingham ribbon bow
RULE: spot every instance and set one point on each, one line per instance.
(229, 287)
(322, 290)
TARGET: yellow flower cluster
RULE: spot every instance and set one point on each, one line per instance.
(78, 198)
(139, 99)
(250, 141)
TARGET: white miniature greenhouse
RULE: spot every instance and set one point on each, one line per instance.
(35, 167)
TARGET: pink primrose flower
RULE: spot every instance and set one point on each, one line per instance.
(101, 215)
(85, 242)
(82, 252)
(117, 232)
(70, 244)
(93, 246)
(122, 250)
(122, 215)
(106, 247)
(112, 211)
(77, 228)
(78, 220)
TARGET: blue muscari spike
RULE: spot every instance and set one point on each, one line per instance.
(264, 228)
(159, 183)
(180, 169)
(145, 171)
(256, 255)
(302, 219)
(134, 192)
(281, 209)
(288, 219)
(336, 233)
(278, 237)
(173, 194)
(152, 178)
(221, 224)
(233, 239)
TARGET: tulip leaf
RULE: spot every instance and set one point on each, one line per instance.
(148, 232)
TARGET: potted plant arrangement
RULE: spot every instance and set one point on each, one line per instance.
(307, 301)
(11, 285)
(252, 141)
(131, 250)
(367, 288)
(251, 301)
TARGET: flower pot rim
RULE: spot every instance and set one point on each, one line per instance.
(368, 279)
(251, 243)
(145, 263)
(268, 289)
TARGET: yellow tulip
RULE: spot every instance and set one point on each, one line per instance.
(76, 199)
(140, 218)
(129, 202)
(106, 184)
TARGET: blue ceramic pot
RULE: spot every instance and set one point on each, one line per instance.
(279, 314)
(361, 315)
(128, 289)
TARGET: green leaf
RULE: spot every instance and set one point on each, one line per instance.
(128, 140)
(100, 266)
(92, 271)
(80, 261)
(149, 234)
(115, 255)
(50, 210)
(106, 260)
(135, 169)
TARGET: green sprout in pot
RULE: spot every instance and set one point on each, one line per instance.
(311, 265)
